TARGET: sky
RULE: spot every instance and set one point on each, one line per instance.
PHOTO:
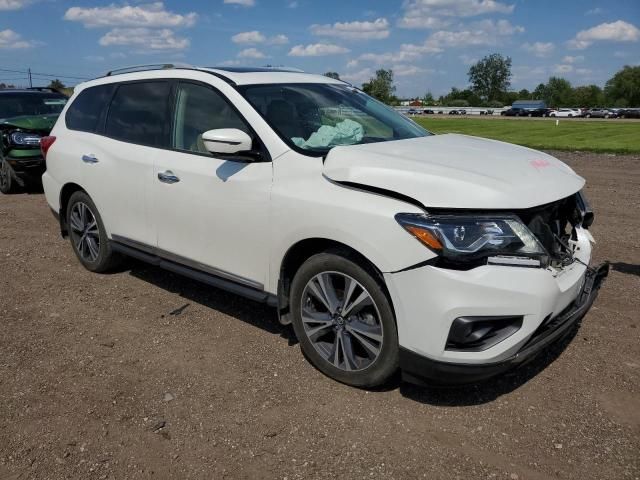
(429, 44)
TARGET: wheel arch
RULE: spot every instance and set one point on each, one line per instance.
(65, 195)
(304, 249)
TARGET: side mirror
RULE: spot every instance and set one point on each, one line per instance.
(227, 141)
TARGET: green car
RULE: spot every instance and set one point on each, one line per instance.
(25, 117)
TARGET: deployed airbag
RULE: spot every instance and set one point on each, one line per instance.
(346, 132)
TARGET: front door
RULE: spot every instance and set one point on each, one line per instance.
(211, 213)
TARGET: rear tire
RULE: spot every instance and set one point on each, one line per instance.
(8, 182)
(88, 236)
(343, 319)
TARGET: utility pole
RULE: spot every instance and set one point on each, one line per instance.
(30, 82)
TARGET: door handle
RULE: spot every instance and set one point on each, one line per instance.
(168, 177)
(91, 158)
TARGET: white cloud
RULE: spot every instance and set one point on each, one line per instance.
(145, 39)
(230, 63)
(619, 31)
(244, 3)
(428, 13)
(408, 70)
(563, 68)
(594, 11)
(376, 30)
(317, 50)
(358, 77)
(251, 53)
(573, 59)
(255, 37)
(485, 32)
(13, 4)
(249, 37)
(11, 40)
(143, 15)
(539, 49)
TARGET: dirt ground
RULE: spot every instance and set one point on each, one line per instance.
(144, 374)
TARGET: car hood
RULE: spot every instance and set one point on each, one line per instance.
(30, 122)
(455, 171)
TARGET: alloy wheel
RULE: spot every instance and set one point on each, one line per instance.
(342, 321)
(84, 232)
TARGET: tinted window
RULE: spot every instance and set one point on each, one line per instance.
(198, 109)
(85, 111)
(30, 103)
(138, 113)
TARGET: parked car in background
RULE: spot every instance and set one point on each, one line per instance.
(25, 117)
(563, 112)
(537, 112)
(454, 265)
(601, 113)
(412, 111)
(514, 112)
(629, 113)
(428, 111)
(458, 112)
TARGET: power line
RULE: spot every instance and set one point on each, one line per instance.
(49, 75)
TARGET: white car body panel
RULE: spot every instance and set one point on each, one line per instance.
(456, 171)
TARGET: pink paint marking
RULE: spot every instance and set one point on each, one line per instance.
(538, 164)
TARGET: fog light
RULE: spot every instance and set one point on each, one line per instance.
(475, 334)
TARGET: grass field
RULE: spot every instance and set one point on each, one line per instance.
(606, 136)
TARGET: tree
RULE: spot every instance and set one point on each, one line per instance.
(455, 95)
(56, 84)
(624, 87)
(491, 76)
(558, 92)
(524, 94)
(428, 99)
(381, 86)
(332, 75)
(540, 93)
(588, 96)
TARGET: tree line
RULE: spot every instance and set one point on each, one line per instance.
(490, 82)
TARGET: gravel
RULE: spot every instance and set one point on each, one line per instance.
(144, 374)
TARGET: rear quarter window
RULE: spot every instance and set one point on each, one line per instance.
(85, 112)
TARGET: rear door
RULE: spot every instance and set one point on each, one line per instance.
(121, 159)
(211, 212)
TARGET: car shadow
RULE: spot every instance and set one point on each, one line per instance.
(629, 268)
(251, 312)
(264, 317)
(489, 390)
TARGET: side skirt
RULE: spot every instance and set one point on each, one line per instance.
(152, 256)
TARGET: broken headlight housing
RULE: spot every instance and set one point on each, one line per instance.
(476, 239)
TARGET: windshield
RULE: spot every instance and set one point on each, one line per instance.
(19, 104)
(314, 118)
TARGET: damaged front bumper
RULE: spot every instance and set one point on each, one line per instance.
(420, 369)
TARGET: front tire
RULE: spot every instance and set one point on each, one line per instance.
(344, 320)
(88, 236)
(8, 182)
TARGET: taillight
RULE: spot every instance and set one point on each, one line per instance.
(45, 145)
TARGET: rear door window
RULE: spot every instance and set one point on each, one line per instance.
(139, 112)
(87, 109)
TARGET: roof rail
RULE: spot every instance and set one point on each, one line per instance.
(144, 68)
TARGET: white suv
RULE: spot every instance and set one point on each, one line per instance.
(451, 257)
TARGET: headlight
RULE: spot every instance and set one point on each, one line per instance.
(25, 139)
(463, 238)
